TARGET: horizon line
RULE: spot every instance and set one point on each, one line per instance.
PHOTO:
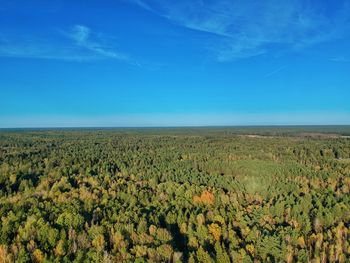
(175, 126)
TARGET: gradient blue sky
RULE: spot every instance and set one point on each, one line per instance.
(169, 63)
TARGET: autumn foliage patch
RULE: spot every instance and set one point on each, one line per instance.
(206, 198)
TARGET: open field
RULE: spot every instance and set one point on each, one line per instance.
(269, 194)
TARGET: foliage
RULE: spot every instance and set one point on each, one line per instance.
(175, 195)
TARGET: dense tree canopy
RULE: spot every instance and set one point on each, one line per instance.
(174, 195)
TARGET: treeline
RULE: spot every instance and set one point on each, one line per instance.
(211, 196)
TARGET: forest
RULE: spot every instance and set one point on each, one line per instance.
(246, 194)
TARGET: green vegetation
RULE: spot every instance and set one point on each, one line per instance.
(175, 195)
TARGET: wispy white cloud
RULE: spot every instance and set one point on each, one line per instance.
(248, 28)
(82, 36)
(78, 43)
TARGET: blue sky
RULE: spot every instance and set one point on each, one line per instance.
(170, 63)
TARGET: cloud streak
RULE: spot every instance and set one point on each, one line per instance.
(273, 72)
(340, 59)
(247, 28)
(76, 44)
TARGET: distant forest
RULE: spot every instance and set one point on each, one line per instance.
(246, 194)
